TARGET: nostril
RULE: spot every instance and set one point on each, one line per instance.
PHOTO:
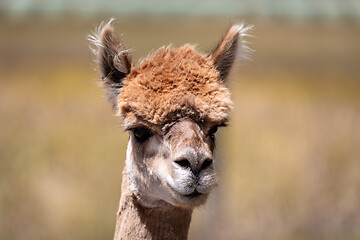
(184, 163)
(206, 164)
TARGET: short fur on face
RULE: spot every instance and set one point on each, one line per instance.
(178, 95)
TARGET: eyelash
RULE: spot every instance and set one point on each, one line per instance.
(141, 134)
(212, 132)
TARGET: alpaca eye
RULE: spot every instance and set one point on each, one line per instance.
(141, 134)
(212, 132)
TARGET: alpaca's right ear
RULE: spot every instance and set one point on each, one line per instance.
(112, 57)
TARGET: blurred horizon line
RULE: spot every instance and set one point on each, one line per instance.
(287, 10)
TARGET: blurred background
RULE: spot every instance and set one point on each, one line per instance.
(289, 161)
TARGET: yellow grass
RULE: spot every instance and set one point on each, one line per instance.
(289, 161)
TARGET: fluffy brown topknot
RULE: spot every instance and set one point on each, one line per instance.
(174, 83)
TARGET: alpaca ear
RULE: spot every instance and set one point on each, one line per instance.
(231, 47)
(112, 58)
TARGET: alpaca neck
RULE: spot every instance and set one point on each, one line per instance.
(134, 221)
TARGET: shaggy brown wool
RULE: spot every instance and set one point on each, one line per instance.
(174, 83)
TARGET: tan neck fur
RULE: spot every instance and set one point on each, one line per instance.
(136, 222)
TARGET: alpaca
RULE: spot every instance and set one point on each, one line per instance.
(172, 104)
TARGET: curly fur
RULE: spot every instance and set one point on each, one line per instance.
(170, 83)
(174, 83)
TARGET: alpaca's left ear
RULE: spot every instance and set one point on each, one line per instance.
(231, 47)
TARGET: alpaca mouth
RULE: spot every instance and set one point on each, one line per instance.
(194, 194)
(193, 199)
(191, 196)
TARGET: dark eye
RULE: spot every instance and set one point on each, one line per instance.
(212, 132)
(141, 134)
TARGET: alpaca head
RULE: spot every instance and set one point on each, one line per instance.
(172, 104)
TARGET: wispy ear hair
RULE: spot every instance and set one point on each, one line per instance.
(232, 46)
(112, 58)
